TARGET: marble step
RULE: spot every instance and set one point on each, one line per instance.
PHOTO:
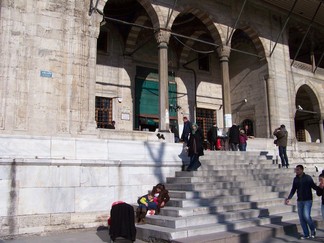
(149, 232)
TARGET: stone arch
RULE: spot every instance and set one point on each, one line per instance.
(253, 35)
(186, 49)
(156, 18)
(153, 12)
(307, 115)
(311, 90)
(133, 34)
(214, 29)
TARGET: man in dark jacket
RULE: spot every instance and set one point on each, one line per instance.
(303, 184)
(186, 130)
(212, 136)
(234, 137)
(282, 138)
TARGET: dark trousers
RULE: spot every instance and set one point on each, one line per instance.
(213, 145)
(194, 162)
(283, 156)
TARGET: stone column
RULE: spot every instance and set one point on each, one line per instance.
(321, 128)
(224, 53)
(162, 38)
(271, 103)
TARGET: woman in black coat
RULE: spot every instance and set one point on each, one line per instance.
(195, 147)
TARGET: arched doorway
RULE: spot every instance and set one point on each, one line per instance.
(307, 117)
(248, 89)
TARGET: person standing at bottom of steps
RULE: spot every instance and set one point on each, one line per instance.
(304, 184)
(195, 147)
(320, 191)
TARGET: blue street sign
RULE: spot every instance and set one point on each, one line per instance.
(46, 74)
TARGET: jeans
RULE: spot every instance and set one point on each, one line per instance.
(194, 162)
(242, 147)
(304, 214)
(283, 156)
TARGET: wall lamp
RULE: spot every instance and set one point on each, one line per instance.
(301, 109)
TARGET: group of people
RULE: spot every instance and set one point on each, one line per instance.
(237, 138)
(151, 203)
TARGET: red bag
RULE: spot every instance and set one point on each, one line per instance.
(218, 143)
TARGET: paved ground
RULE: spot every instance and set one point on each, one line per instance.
(73, 236)
(99, 236)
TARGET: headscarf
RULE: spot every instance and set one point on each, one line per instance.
(194, 130)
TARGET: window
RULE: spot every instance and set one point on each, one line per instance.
(103, 112)
(205, 119)
(203, 62)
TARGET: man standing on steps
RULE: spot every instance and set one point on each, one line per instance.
(186, 130)
(303, 184)
(282, 138)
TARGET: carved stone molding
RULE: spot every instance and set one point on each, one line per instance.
(162, 36)
(224, 53)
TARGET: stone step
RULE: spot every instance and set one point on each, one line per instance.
(263, 233)
(229, 192)
(214, 179)
(224, 192)
(223, 185)
(190, 211)
(149, 232)
(232, 172)
(196, 202)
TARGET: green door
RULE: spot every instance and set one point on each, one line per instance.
(147, 103)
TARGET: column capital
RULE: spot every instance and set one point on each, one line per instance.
(224, 53)
(162, 36)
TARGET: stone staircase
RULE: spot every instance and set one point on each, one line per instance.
(231, 191)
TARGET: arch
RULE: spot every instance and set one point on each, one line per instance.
(253, 35)
(133, 34)
(189, 43)
(308, 115)
(312, 91)
(154, 13)
(213, 28)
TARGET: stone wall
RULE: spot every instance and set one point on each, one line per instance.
(52, 183)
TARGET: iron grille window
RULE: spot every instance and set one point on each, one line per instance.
(205, 119)
(103, 112)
